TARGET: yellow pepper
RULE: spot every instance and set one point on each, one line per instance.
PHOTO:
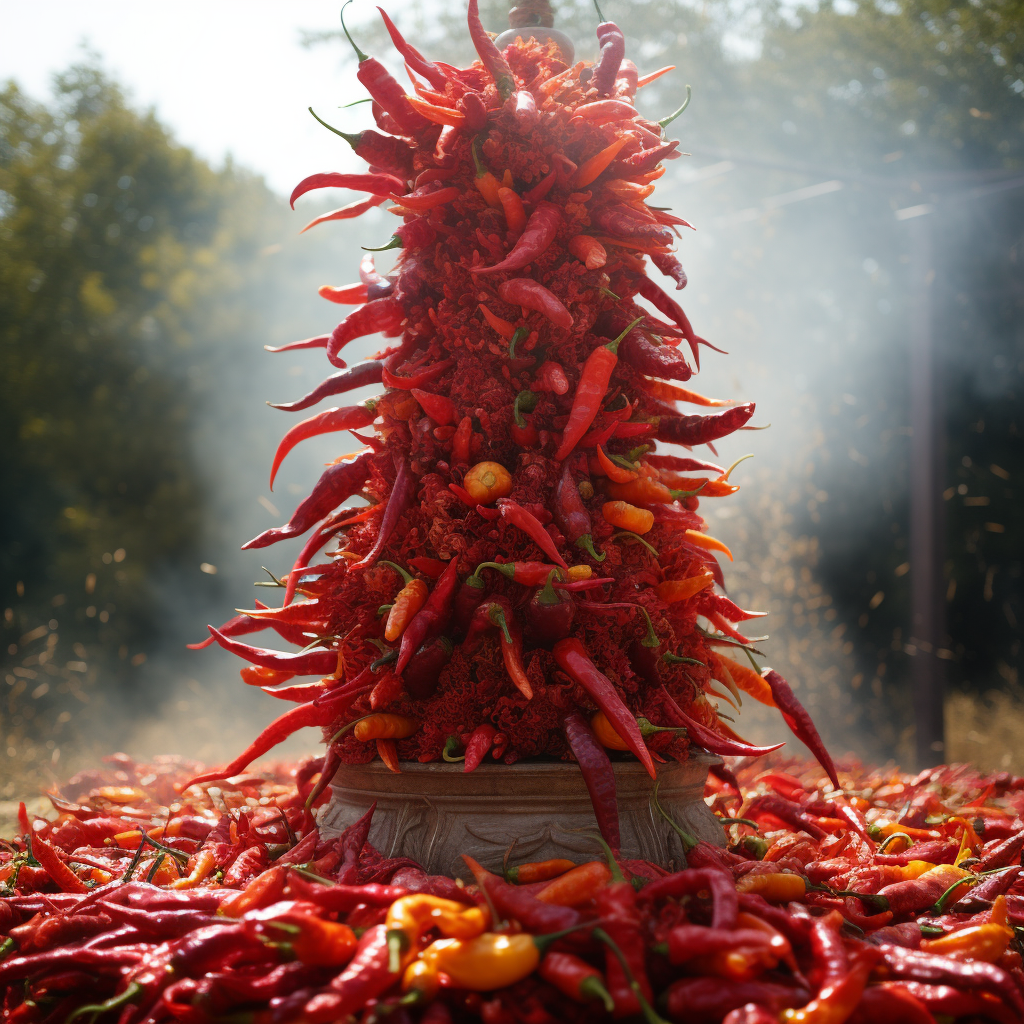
(777, 887)
(420, 978)
(205, 863)
(580, 572)
(985, 942)
(488, 962)
(411, 916)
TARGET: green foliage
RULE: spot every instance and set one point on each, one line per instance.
(127, 266)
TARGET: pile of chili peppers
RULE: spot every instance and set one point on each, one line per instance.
(531, 577)
(891, 900)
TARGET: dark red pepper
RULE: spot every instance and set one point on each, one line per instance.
(537, 236)
(693, 430)
(366, 372)
(548, 615)
(379, 316)
(598, 775)
(403, 491)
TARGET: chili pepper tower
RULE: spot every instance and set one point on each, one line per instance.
(532, 578)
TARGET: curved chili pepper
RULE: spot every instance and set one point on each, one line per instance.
(613, 49)
(645, 160)
(403, 491)
(692, 430)
(349, 417)
(379, 315)
(530, 294)
(541, 189)
(428, 69)
(670, 267)
(318, 712)
(625, 222)
(575, 978)
(708, 738)
(497, 66)
(355, 209)
(477, 745)
(800, 722)
(1002, 853)
(378, 184)
(606, 111)
(337, 484)
(667, 305)
(393, 380)
(571, 656)
(537, 236)
(598, 775)
(530, 574)
(432, 618)
(514, 513)
(384, 89)
(368, 371)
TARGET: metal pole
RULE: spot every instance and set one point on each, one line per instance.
(926, 591)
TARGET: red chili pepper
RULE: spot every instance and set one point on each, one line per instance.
(369, 371)
(785, 810)
(606, 111)
(355, 209)
(711, 740)
(426, 198)
(624, 222)
(1003, 853)
(530, 574)
(477, 745)
(590, 393)
(667, 305)
(51, 862)
(403, 491)
(321, 711)
(320, 341)
(497, 66)
(378, 184)
(571, 656)
(385, 90)
(613, 49)
(440, 408)
(514, 513)
(337, 484)
(548, 615)
(645, 160)
(616, 903)
(379, 316)
(425, 376)
(432, 618)
(693, 430)
(799, 721)
(598, 775)
(537, 236)
(669, 266)
(654, 360)
(348, 417)
(384, 153)
(525, 292)
(575, 978)
(709, 1000)
(428, 69)
(541, 189)
(346, 295)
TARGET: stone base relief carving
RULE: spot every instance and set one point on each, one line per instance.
(434, 813)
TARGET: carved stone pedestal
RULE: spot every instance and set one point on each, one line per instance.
(436, 812)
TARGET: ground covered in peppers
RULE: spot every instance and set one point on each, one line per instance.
(892, 899)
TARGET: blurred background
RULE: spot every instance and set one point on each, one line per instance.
(856, 180)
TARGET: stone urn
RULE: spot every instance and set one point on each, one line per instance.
(434, 813)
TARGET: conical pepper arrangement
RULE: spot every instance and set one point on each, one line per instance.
(532, 577)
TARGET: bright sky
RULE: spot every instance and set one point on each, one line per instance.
(227, 76)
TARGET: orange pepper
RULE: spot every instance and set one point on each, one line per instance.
(486, 482)
(707, 542)
(538, 871)
(257, 675)
(719, 488)
(681, 590)
(674, 393)
(746, 679)
(576, 886)
(579, 572)
(589, 251)
(628, 517)
(616, 473)
(776, 887)
(593, 168)
(515, 212)
(439, 115)
(384, 727)
(606, 734)
(409, 600)
(388, 753)
(264, 889)
(204, 864)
